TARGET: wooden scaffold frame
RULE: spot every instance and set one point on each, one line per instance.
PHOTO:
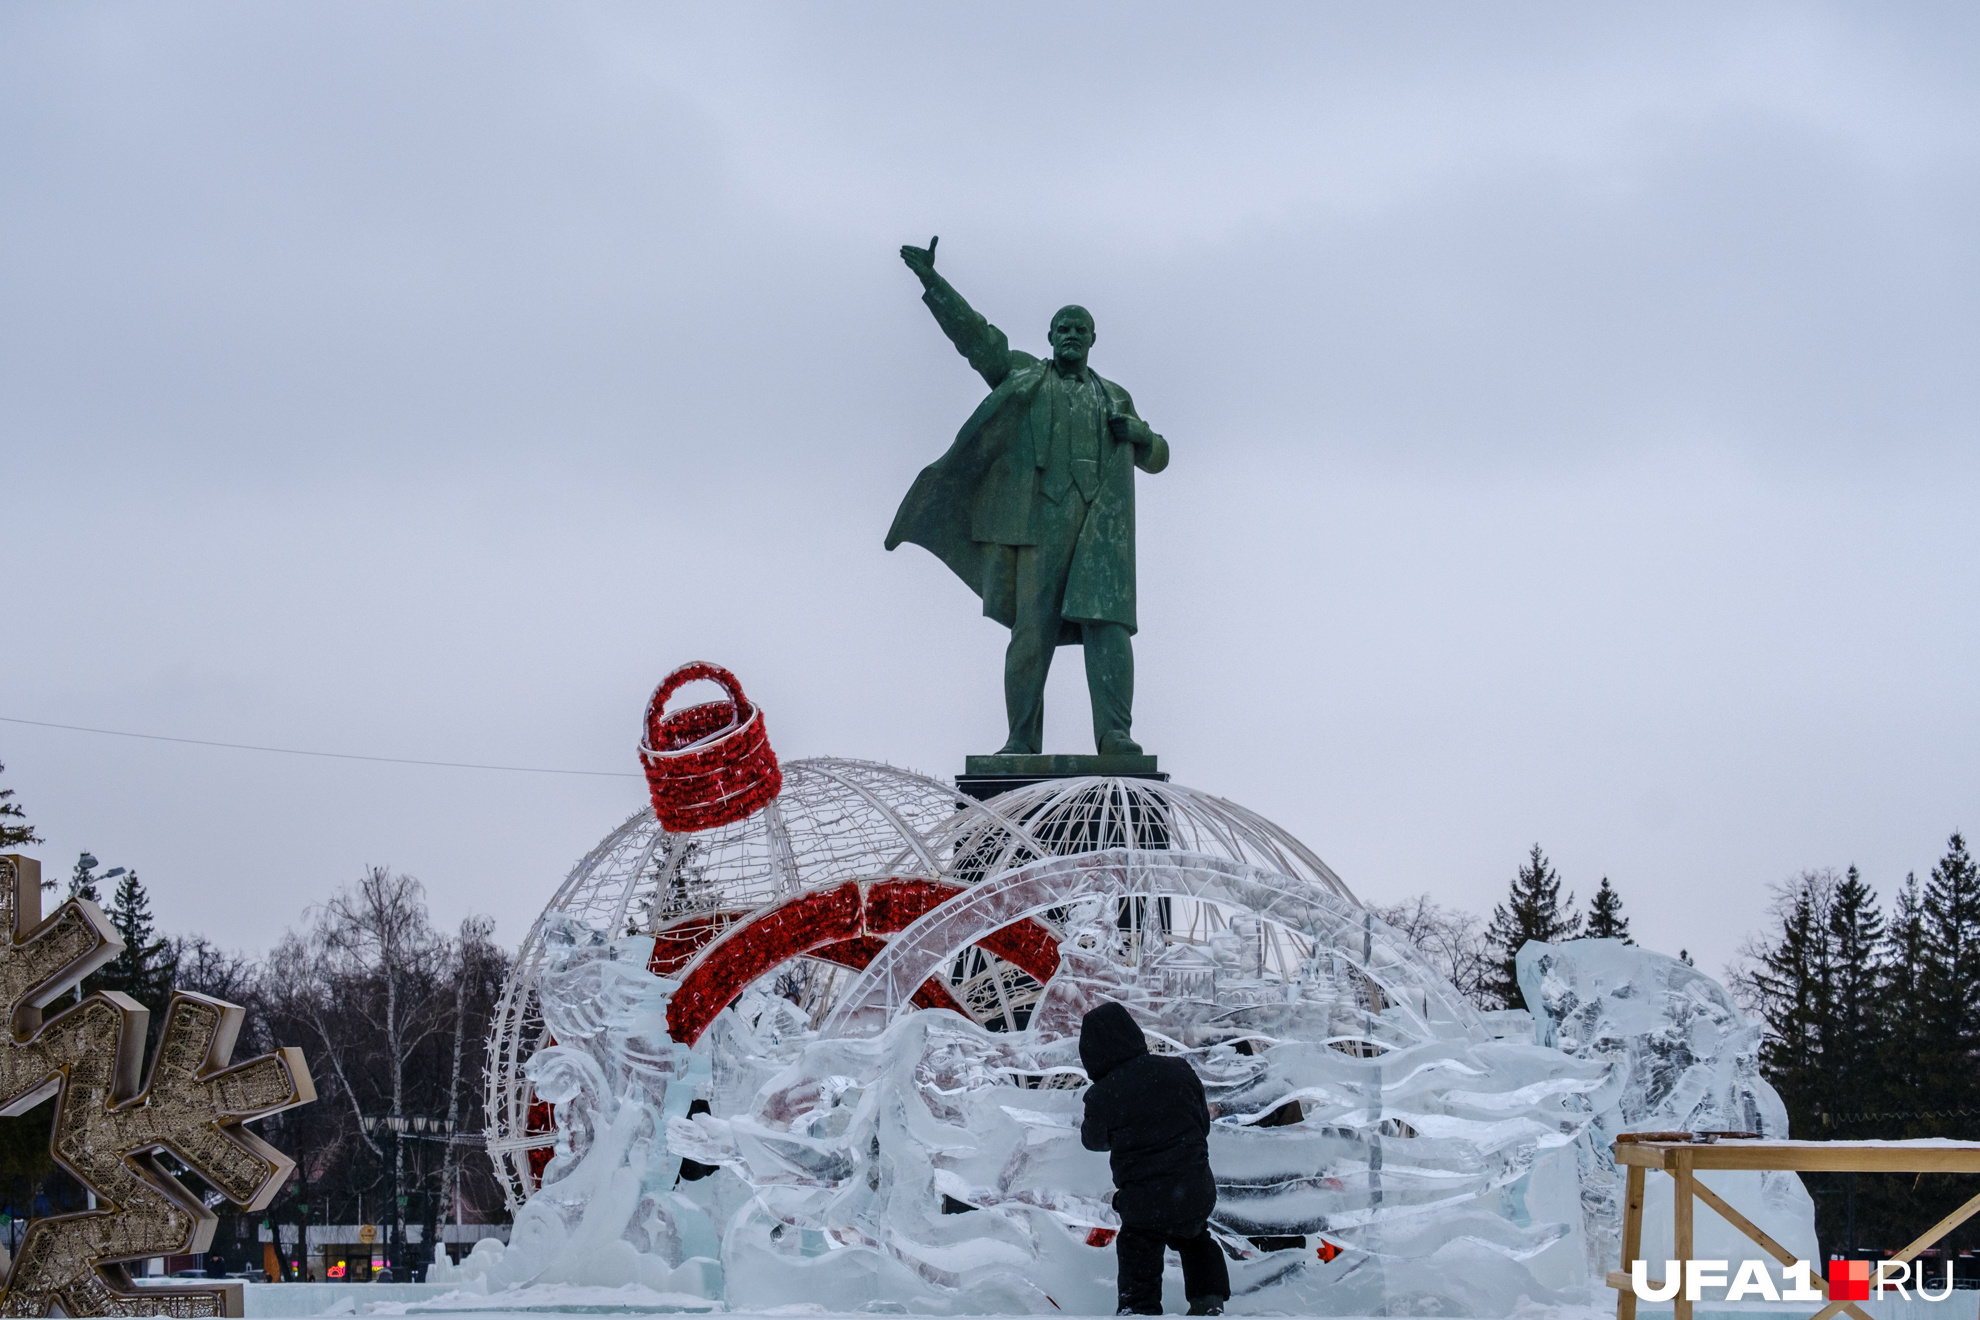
(1684, 1155)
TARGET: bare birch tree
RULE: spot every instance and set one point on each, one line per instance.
(371, 957)
(1453, 941)
(478, 971)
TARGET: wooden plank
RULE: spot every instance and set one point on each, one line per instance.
(1811, 1156)
(1818, 1159)
(1683, 1160)
(1626, 1283)
(1682, 1207)
(1744, 1225)
(1632, 1239)
(1772, 1248)
(1940, 1229)
(1925, 1145)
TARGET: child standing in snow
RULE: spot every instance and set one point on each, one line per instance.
(1150, 1115)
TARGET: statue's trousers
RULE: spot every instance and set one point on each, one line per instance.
(1040, 573)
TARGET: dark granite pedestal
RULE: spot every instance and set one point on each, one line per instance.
(984, 777)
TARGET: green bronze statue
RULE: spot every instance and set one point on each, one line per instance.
(1033, 507)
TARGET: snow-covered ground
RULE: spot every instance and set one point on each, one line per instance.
(270, 1301)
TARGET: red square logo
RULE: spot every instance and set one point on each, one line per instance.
(1849, 1280)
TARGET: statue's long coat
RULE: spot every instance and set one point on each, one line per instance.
(990, 488)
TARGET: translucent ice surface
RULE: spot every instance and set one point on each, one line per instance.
(938, 1167)
(607, 1213)
(1459, 1164)
(1683, 1058)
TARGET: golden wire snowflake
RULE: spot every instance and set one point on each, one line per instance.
(110, 1128)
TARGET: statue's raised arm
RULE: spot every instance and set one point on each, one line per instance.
(987, 348)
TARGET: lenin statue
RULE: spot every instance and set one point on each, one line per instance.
(1033, 507)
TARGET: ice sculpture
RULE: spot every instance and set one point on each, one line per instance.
(865, 1156)
(1684, 1058)
(938, 1167)
(607, 1213)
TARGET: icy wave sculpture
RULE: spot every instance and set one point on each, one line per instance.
(607, 1213)
(1682, 1057)
(937, 1168)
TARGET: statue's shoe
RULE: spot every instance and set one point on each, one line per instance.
(1012, 749)
(1119, 744)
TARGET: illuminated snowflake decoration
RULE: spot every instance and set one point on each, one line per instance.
(112, 1126)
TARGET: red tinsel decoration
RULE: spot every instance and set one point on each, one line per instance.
(845, 925)
(1027, 944)
(707, 765)
(540, 1120)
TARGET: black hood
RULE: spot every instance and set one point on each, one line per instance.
(1109, 1038)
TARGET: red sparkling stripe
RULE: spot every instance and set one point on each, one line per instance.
(893, 905)
(842, 925)
(854, 953)
(1027, 944)
(933, 994)
(731, 963)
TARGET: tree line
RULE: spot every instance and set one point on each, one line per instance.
(393, 1015)
(1478, 957)
(1871, 1009)
(1873, 1033)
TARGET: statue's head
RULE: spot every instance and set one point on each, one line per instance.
(1071, 335)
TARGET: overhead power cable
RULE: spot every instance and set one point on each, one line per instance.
(334, 756)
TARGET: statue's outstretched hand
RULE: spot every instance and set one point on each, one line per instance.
(921, 260)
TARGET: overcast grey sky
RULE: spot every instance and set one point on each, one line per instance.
(1573, 412)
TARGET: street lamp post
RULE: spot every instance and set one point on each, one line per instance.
(395, 1227)
(398, 1125)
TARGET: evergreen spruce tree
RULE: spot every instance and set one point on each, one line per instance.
(1822, 985)
(1901, 973)
(143, 970)
(1605, 918)
(1949, 988)
(83, 881)
(1927, 1082)
(1795, 985)
(1534, 910)
(15, 832)
(1856, 1020)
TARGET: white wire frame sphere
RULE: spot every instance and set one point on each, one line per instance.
(1304, 941)
(838, 820)
(835, 820)
(1058, 817)
(1064, 817)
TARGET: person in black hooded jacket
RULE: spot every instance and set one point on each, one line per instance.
(1150, 1116)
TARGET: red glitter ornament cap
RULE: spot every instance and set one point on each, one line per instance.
(707, 765)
